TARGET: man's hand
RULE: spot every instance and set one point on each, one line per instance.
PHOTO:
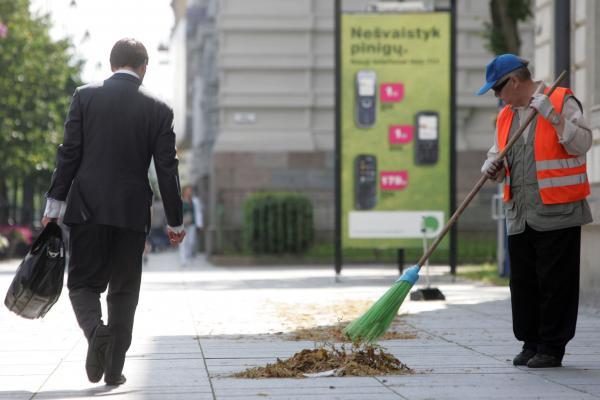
(175, 238)
(542, 104)
(45, 220)
(494, 168)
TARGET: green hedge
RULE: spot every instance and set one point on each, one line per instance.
(278, 223)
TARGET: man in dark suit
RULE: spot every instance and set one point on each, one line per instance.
(113, 131)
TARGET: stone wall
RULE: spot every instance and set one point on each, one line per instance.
(238, 175)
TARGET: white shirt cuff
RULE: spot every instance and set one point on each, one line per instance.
(54, 208)
(176, 229)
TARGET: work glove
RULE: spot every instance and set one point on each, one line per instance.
(542, 104)
(493, 169)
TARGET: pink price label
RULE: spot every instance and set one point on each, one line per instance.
(393, 180)
(400, 134)
(391, 92)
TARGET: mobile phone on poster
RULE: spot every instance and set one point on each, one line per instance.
(366, 95)
(365, 182)
(426, 138)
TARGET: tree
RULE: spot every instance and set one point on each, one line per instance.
(37, 78)
(503, 32)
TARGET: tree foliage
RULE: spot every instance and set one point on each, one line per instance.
(503, 32)
(37, 79)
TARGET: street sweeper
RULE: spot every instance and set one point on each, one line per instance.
(545, 190)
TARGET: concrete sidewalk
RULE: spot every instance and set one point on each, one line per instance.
(197, 325)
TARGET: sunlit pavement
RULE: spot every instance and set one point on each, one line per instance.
(196, 325)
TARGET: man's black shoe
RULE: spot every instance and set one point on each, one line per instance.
(115, 381)
(523, 357)
(95, 360)
(544, 361)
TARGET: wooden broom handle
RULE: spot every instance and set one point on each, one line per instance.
(483, 179)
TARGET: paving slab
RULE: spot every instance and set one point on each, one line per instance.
(195, 326)
(322, 388)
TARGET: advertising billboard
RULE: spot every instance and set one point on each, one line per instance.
(395, 120)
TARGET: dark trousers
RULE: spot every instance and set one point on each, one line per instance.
(544, 287)
(104, 256)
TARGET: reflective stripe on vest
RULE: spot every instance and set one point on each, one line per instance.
(561, 163)
(562, 181)
(507, 195)
(561, 177)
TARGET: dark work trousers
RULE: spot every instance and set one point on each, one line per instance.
(544, 287)
(106, 256)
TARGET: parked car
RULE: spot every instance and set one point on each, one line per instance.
(19, 237)
(3, 246)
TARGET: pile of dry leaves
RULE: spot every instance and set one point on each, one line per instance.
(366, 360)
(335, 333)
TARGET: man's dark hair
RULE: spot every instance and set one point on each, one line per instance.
(128, 53)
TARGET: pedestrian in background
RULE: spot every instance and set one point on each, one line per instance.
(545, 190)
(157, 237)
(192, 221)
(112, 132)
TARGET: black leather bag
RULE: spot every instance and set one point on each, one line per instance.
(38, 281)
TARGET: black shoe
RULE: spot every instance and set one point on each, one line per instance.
(115, 381)
(523, 357)
(95, 360)
(544, 361)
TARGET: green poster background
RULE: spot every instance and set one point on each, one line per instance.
(413, 50)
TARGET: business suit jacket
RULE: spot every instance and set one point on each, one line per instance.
(113, 130)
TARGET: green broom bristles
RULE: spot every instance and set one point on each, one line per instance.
(377, 319)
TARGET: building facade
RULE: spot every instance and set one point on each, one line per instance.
(261, 108)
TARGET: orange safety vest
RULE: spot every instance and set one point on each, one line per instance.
(562, 178)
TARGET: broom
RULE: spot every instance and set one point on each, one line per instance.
(377, 319)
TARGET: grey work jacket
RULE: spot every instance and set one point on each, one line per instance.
(526, 206)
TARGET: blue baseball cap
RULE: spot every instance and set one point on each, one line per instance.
(498, 68)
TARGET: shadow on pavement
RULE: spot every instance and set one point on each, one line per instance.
(98, 392)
